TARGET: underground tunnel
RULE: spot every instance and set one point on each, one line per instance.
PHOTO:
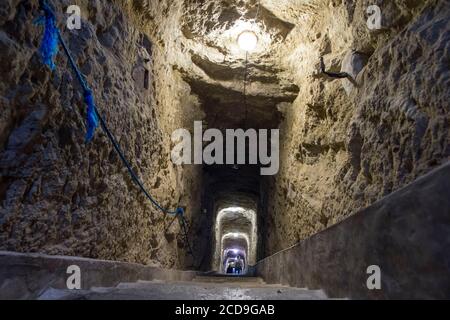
(283, 149)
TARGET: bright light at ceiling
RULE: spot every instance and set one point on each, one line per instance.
(247, 41)
(234, 251)
(242, 37)
(232, 209)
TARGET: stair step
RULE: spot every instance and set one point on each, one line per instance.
(228, 279)
(173, 290)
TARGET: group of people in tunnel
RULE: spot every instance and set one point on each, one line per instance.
(235, 266)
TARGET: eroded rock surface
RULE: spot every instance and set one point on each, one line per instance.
(341, 153)
(61, 196)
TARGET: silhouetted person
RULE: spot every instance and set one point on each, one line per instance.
(239, 265)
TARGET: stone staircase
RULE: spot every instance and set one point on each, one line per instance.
(241, 280)
(202, 287)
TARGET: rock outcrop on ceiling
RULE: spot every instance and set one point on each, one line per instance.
(215, 68)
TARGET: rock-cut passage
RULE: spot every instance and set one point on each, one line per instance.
(308, 125)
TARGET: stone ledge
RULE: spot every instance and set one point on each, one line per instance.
(26, 275)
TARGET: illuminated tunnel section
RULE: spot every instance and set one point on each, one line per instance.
(235, 236)
(234, 246)
(234, 203)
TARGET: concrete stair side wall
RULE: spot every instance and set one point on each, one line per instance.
(407, 234)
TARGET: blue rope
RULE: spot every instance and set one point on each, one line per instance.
(48, 50)
(92, 119)
(49, 46)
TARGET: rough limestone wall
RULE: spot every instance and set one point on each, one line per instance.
(341, 152)
(177, 108)
(59, 195)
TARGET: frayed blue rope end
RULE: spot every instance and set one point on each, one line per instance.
(180, 212)
(91, 116)
(49, 46)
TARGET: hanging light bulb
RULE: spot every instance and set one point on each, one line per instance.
(247, 40)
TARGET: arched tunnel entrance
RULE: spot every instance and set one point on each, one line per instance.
(235, 230)
(234, 253)
(234, 198)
